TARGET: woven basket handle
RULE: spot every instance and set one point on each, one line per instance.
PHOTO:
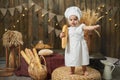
(44, 61)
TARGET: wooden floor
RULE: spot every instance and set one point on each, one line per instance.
(15, 78)
(11, 77)
(115, 75)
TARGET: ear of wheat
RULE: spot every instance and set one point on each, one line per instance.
(12, 38)
(90, 17)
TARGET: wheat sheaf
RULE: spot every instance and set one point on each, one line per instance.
(90, 17)
(12, 38)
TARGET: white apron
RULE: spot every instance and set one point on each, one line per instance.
(76, 52)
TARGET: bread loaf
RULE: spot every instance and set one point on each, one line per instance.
(64, 39)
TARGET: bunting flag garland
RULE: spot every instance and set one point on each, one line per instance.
(51, 16)
(3, 11)
(50, 29)
(44, 12)
(25, 5)
(11, 10)
(29, 5)
(57, 32)
(19, 8)
(37, 8)
(59, 18)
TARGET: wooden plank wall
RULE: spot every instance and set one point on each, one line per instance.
(34, 27)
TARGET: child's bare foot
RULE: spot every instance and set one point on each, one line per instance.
(71, 73)
(85, 73)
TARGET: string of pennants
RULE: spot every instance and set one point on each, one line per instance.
(29, 5)
(36, 8)
(44, 12)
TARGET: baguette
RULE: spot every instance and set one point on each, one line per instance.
(37, 58)
(64, 39)
(25, 57)
(31, 59)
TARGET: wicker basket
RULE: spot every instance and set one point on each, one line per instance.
(63, 73)
(38, 74)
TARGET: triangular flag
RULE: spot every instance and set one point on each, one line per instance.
(50, 29)
(25, 5)
(59, 18)
(57, 32)
(37, 8)
(19, 8)
(31, 3)
(44, 12)
(51, 15)
(3, 11)
(11, 10)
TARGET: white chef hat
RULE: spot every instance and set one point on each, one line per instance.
(73, 11)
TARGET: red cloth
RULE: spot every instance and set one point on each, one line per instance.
(23, 69)
(52, 62)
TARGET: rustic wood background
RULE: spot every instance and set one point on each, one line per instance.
(35, 28)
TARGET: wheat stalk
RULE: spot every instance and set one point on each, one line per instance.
(12, 38)
(90, 17)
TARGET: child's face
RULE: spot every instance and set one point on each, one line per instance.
(73, 20)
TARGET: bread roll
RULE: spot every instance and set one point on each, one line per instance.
(64, 39)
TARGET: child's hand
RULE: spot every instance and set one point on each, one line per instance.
(62, 34)
(91, 27)
(96, 26)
